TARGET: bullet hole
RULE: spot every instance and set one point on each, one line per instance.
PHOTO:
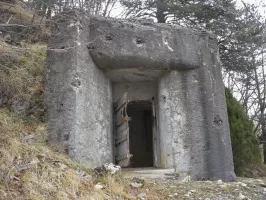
(138, 41)
(90, 47)
(66, 136)
(108, 38)
(76, 83)
(217, 121)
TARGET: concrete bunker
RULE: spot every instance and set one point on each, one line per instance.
(166, 78)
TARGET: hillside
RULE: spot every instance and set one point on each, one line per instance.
(30, 169)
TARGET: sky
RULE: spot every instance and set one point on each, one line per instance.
(117, 9)
(262, 4)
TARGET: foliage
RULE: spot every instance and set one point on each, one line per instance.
(196, 12)
(246, 151)
(48, 8)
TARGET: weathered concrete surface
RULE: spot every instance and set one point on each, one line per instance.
(136, 90)
(193, 118)
(148, 45)
(90, 56)
(78, 96)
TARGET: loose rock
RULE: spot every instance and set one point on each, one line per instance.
(242, 184)
(136, 185)
(111, 168)
(242, 197)
(142, 196)
(98, 186)
(108, 168)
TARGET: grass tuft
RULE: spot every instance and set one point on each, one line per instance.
(22, 77)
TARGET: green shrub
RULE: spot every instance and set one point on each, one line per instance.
(246, 151)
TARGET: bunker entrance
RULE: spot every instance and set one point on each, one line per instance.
(135, 128)
(140, 133)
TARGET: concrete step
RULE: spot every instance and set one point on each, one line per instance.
(149, 172)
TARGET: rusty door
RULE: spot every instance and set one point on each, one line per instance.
(122, 132)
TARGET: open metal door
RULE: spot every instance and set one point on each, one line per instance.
(122, 132)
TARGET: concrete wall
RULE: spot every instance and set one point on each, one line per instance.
(79, 98)
(136, 90)
(193, 121)
(120, 44)
(181, 121)
(94, 113)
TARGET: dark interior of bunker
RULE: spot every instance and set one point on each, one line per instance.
(140, 133)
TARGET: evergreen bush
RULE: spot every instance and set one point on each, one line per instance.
(246, 151)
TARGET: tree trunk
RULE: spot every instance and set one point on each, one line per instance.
(160, 17)
(264, 153)
(160, 12)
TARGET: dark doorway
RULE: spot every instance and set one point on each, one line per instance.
(140, 133)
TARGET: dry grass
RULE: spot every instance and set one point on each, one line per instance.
(18, 12)
(30, 169)
(22, 74)
(257, 171)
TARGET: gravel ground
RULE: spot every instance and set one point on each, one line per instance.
(243, 188)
